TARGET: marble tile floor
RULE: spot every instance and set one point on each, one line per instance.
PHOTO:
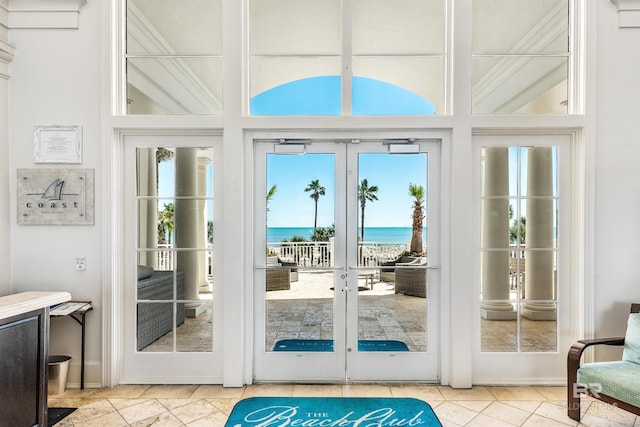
(210, 405)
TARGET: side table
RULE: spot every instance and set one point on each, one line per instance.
(77, 310)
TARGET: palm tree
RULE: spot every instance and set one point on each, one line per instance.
(365, 193)
(270, 194)
(417, 192)
(165, 224)
(317, 190)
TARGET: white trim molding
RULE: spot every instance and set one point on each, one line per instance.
(7, 51)
(29, 14)
(628, 13)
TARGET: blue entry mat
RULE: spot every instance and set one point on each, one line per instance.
(332, 411)
(327, 345)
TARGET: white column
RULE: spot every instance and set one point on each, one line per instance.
(148, 209)
(538, 261)
(186, 223)
(495, 235)
(203, 284)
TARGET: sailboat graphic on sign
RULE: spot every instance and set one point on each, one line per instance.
(54, 190)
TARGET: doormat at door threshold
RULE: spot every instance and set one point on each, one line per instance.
(332, 411)
(55, 415)
(327, 345)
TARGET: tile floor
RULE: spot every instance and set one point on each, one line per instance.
(210, 405)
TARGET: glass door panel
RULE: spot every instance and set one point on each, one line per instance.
(523, 189)
(169, 298)
(392, 301)
(300, 234)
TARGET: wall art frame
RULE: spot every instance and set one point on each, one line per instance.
(57, 144)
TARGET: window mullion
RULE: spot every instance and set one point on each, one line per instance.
(347, 68)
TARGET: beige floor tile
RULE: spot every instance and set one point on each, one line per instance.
(172, 404)
(166, 419)
(474, 405)
(169, 391)
(610, 413)
(366, 390)
(194, 411)
(450, 412)
(268, 390)
(224, 405)
(112, 419)
(540, 421)
(94, 410)
(215, 420)
(525, 405)
(556, 411)
(217, 392)
(483, 420)
(516, 393)
(142, 411)
(475, 393)
(317, 390)
(506, 413)
(121, 391)
(428, 393)
(591, 421)
(553, 393)
(121, 404)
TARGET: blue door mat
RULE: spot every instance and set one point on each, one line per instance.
(327, 345)
(332, 411)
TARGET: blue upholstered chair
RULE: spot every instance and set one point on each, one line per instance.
(617, 382)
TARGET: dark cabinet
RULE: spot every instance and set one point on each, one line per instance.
(23, 369)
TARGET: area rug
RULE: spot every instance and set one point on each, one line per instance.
(55, 415)
(332, 412)
(327, 345)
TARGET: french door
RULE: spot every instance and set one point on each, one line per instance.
(171, 315)
(346, 257)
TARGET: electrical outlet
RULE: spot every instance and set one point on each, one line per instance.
(81, 263)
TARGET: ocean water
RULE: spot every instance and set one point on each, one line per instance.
(371, 234)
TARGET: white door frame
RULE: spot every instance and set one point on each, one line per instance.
(524, 368)
(258, 244)
(151, 367)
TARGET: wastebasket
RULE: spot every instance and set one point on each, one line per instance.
(58, 370)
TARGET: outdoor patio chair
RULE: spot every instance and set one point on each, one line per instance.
(616, 383)
(278, 279)
(389, 274)
(411, 281)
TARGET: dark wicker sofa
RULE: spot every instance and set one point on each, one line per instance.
(155, 319)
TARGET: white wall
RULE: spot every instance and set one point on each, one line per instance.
(55, 80)
(6, 55)
(617, 174)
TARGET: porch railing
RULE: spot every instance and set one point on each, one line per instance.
(306, 254)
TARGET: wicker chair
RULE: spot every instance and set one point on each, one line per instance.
(412, 281)
(389, 274)
(278, 279)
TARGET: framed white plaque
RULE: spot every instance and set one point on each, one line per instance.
(57, 144)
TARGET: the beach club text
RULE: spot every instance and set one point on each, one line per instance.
(281, 416)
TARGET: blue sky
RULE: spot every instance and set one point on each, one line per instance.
(293, 207)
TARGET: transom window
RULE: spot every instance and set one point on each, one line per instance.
(358, 57)
(173, 58)
(521, 52)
